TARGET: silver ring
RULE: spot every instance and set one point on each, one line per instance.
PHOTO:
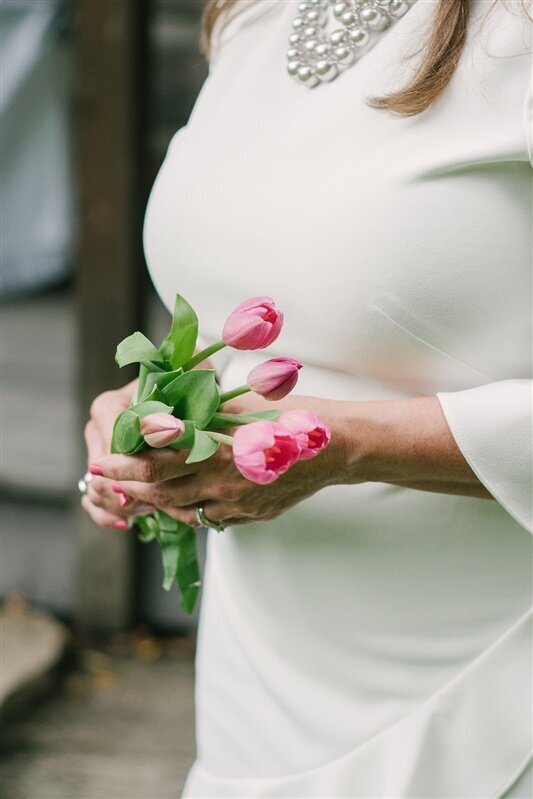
(203, 521)
(84, 482)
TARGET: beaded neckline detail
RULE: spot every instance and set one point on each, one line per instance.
(316, 55)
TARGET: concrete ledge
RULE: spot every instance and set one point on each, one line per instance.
(32, 645)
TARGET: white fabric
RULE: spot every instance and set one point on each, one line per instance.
(492, 426)
(373, 641)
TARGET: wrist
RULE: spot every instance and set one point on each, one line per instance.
(365, 429)
(393, 441)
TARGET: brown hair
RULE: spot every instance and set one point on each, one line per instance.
(440, 55)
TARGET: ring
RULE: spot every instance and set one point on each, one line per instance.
(203, 521)
(84, 482)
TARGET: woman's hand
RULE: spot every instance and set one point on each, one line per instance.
(162, 478)
(403, 442)
(100, 501)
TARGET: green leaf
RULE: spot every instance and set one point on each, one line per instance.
(150, 406)
(145, 369)
(170, 550)
(186, 440)
(194, 395)
(166, 522)
(203, 447)
(159, 379)
(222, 420)
(127, 437)
(178, 553)
(188, 572)
(148, 528)
(155, 395)
(178, 346)
(137, 348)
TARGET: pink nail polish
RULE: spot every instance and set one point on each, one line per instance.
(120, 524)
(122, 499)
(122, 496)
(96, 470)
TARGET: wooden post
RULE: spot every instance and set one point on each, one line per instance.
(110, 155)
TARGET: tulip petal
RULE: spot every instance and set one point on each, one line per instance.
(275, 378)
(264, 450)
(255, 302)
(253, 437)
(254, 324)
(311, 432)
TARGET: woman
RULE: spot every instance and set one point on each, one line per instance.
(369, 638)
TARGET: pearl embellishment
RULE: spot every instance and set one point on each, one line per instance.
(317, 56)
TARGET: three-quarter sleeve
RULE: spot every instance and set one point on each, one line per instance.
(493, 427)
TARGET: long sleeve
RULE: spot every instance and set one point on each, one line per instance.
(493, 427)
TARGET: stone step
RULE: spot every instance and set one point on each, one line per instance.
(33, 644)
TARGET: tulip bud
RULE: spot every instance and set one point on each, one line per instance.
(310, 431)
(253, 325)
(160, 429)
(264, 450)
(274, 379)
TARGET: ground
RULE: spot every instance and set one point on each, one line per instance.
(119, 725)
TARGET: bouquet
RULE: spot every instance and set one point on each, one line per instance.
(179, 406)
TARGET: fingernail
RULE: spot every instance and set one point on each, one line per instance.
(96, 470)
(120, 524)
(123, 499)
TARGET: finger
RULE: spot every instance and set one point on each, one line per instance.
(105, 494)
(176, 493)
(94, 441)
(105, 425)
(151, 466)
(103, 497)
(104, 411)
(225, 512)
(102, 517)
(187, 515)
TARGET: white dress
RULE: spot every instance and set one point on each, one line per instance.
(374, 640)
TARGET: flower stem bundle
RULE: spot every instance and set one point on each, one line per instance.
(179, 406)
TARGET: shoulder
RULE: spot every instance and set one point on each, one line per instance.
(241, 15)
(503, 28)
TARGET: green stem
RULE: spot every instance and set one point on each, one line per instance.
(236, 392)
(231, 419)
(203, 355)
(220, 437)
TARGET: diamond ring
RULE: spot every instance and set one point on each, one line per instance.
(84, 482)
(203, 521)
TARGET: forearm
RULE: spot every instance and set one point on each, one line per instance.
(407, 443)
(404, 442)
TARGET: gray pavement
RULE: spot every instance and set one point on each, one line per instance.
(119, 726)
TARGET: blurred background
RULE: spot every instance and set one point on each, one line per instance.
(97, 680)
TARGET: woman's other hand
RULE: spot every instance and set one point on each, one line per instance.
(102, 503)
(403, 442)
(161, 478)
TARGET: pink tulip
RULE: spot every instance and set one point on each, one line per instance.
(264, 450)
(160, 429)
(310, 431)
(274, 379)
(253, 324)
